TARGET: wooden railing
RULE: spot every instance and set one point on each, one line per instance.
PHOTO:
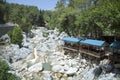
(92, 53)
(97, 54)
(71, 49)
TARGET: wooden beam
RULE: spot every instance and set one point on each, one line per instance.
(83, 51)
(90, 53)
(71, 49)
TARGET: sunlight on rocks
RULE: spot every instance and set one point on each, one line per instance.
(42, 58)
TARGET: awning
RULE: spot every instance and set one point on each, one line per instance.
(71, 39)
(115, 44)
(92, 42)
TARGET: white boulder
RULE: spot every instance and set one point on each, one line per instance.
(36, 68)
(56, 68)
(72, 71)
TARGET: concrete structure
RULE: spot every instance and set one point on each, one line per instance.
(4, 28)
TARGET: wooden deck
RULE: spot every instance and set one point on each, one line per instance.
(87, 52)
(91, 53)
(71, 49)
(115, 58)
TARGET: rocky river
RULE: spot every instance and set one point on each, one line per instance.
(42, 58)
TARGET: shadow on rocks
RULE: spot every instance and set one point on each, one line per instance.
(97, 71)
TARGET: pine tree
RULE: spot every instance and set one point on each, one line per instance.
(40, 21)
(17, 35)
(2, 11)
(4, 75)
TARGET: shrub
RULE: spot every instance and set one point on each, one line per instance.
(4, 75)
(17, 36)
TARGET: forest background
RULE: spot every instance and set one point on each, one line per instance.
(89, 18)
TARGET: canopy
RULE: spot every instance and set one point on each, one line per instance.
(98, 43)
(71, 39)
(115, 44)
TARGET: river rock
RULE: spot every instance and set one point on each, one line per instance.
(35, 68)
(20, 54)
(72, 71)
(48, 49)
(59, 75)
(42, 47)
(36, 77)
(63, 34)
(47, 75)
(83, 61)
(56, 68)
(5, 38)
(14, 53)
(97, 71)
(106, 67)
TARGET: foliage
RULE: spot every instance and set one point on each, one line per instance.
(25, 26)
(10, 34)
(23, 15)
(17, 36)
(68, 24)
(17, 12)
(91, 18)
(2, 11)
(40, 21)
(4, 75)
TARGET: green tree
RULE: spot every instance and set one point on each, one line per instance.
(25, 26)
(24, 16)
(76, 17)
(60, 4)
(68, 24)
(40, 21)
(17, 36)
(2, 11)
(4, 75)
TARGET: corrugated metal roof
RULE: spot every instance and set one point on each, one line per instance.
(98, 43)
(71, 39)
(115, 44)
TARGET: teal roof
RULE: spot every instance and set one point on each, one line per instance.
(98, 43)
(115, 44)
(71, 39)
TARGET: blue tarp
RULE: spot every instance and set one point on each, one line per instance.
(71, 39)
(115, 44)
(98, 43)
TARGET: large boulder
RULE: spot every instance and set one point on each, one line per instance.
(106, 67)
(47, 75)
(72, 71)
(36, 67)
(21, 53)
(43, 47)
(56, 68)
(5, 38)
(14, 53)
(97, 71)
